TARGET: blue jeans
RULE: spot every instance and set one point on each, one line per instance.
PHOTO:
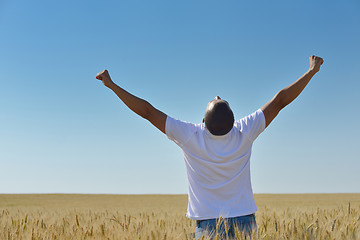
(244, 224)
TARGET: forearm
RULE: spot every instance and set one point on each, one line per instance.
(137, 105)
(288, 94)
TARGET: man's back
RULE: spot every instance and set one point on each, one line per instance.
(218, 167)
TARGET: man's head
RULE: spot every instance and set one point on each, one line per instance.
(219, 118)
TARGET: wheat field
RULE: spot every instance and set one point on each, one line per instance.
(76, 216)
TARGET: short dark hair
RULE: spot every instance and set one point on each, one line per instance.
(219, 119)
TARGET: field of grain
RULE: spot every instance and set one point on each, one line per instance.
(68, 216)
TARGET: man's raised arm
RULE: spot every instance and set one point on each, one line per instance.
(137, 105)
(288, 94)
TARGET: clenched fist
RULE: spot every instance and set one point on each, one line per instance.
(315, 63)
(105, 78)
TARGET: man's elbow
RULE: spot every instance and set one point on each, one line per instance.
(281, 99)
(147, 112)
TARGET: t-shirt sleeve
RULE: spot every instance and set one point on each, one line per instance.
(252, 125)
(179, 131)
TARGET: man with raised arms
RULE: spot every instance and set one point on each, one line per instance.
(217, 154)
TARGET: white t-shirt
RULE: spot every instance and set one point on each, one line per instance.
(218, 167)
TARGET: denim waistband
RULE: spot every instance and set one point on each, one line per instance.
(199, 221)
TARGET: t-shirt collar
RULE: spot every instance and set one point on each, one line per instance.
(217, 137)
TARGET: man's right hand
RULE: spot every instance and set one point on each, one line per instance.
(104, 76)
(315, 63)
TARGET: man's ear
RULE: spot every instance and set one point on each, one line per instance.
(203, 120)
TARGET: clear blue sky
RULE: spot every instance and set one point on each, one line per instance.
(62, 131)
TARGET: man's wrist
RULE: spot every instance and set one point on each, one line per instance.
(312, 71)
(110, 84)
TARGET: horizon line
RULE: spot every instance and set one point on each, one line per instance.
(167, 193)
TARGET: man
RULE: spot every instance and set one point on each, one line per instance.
(217, 155)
